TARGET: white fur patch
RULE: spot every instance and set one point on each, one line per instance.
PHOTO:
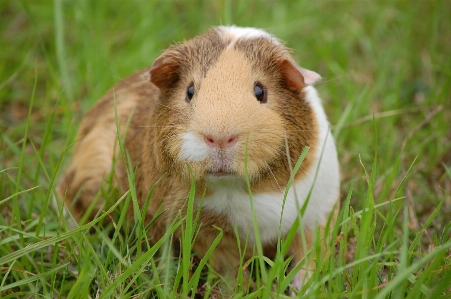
(193, 148)
(235, 202)
(247, 32)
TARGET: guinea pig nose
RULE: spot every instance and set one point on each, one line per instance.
(220, 142)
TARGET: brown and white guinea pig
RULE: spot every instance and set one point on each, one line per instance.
(207, 103)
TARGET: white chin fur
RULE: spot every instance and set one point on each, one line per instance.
(322, 178)
(193, 148)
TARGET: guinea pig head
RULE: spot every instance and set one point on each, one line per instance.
(231, 103)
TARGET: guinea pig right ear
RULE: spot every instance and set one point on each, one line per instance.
(297, 77)
(164, 72)
(310, 77)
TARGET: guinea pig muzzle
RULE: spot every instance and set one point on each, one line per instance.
(221, 162)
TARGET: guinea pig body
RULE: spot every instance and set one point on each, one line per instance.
(233, 105)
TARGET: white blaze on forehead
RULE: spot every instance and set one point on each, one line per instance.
(193, 148)
(246, 33)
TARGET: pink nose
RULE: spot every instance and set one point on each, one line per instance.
(220, 142)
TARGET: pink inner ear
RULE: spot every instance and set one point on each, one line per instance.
(310, 77)
(146, 75)
(297, 77)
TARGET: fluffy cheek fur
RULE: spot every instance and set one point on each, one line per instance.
(262, 144)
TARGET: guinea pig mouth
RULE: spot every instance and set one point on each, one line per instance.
(220, 173)
(221, 164)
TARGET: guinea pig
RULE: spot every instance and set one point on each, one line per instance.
(231, 111)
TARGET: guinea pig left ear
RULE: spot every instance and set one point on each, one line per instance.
(297, 77)
(164, 71)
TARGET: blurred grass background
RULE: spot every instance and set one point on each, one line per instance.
(384, 60)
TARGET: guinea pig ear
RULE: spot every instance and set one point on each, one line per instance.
(310, 77)
(297, 77)
(164, 71)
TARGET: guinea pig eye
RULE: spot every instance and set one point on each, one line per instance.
(189, 93)
(260, 93)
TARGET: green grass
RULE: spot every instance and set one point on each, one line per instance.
(387, 91)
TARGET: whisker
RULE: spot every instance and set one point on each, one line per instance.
(120, 79)
(336, 78)
(156, 126)
(175, 160)
(269, 168)
(283, 131)
(176, 110)
(282, 152)
(170, 136)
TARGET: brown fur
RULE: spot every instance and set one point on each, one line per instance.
(224, 104)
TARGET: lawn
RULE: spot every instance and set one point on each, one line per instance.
(386, 87)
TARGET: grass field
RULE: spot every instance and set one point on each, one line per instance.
(387, 90)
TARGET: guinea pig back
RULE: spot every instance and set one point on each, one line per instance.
(234, 106)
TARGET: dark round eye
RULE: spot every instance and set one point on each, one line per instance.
(189, 93)
(260, 93)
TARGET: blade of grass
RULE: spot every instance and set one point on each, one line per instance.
(136, 268)
(196, 275)
(16, 210)
(84, 279)
(44, 243)
(17, 194)
(41, 164)
(187, 235)
(404, 274)
(258, 244)
(31, 279)
(60, 45)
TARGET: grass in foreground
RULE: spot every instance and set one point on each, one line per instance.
(387, 61)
